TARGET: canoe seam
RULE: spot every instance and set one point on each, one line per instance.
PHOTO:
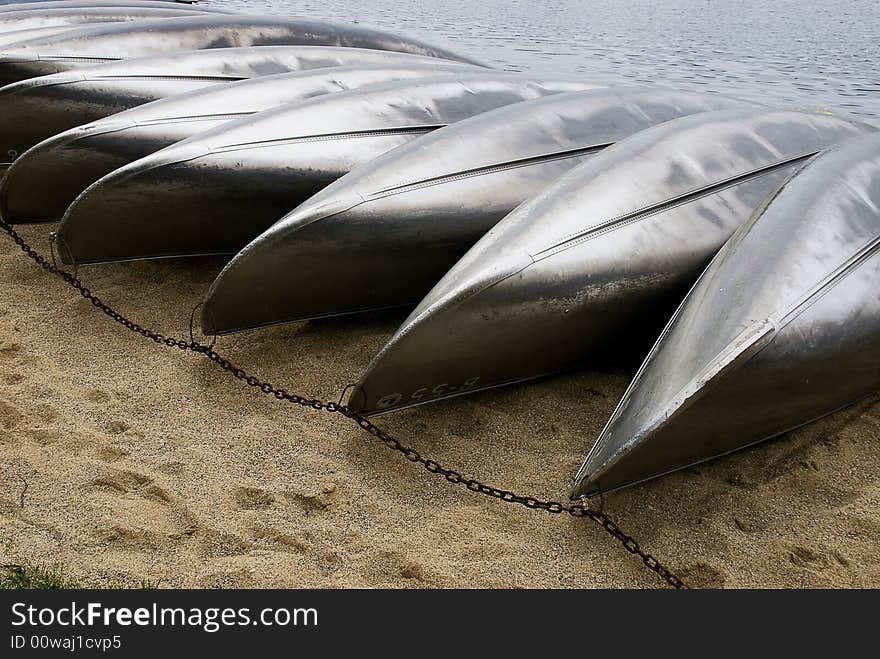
(75, 58)
(329, 137)
(183, 120)
(577, 238)
(455, 299)
(827, 284)
(486, 169)
(159, 76)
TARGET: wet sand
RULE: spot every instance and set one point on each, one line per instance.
(147, 463)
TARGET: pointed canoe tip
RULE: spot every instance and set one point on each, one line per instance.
(83, 227)
(71, 214)
(28, 196)
(60, 247)
(4, 195)
(17, 179)
(233, 302)
(357, 399)
(586, 480)
(598, 480)
(190, 149)
(428, 358)
(621, 455)
(295, 250)
(323, 205)
(399, 377)
(226, 298)
(207, 321)
(627, 450)
(210, 326)
(114, 184)
(223, 304)
(584, 488)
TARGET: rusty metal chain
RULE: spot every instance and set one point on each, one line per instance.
(452, 476)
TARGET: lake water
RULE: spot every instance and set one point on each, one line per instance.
(792, 53)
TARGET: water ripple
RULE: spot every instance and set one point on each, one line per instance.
(795, 53)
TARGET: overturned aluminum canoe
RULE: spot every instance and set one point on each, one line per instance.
(33, 110)
(601, 252)
(22, 26)
(421, 206)
(229, 185)
(76, 158)
(12, 37)
(88, 47)
(39, 18)
(9, 6)
(782, 328)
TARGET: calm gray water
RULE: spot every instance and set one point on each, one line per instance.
(800, 54)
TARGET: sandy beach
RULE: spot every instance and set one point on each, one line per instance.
(147, 463)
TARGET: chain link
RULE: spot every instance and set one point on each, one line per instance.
(434, 467)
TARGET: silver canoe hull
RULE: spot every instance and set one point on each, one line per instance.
(87, 47)
(12, 37)
(596, 257)
(34, 110)
(782, 328)
(230, 184)
(423, 205)
(31, 5)
(23, 26)
(76, 158)
(40, 18)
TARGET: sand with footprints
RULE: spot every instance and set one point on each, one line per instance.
(146, 463)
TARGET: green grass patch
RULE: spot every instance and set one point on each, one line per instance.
(35, 577)
(51, 577)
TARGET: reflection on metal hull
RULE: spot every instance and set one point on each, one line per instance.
(604, 250)
(76, 158)
(10, 6)
(783, 327)
(230, 184)
(40, 18)
(422, 205)
(87, 47)
(38, 108)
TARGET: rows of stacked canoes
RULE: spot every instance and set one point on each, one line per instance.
(534, 223)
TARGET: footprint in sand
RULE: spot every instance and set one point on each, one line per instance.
(117, 427)
(141, 515)
(313, 502)
(110, 453)
(43, 436)
(280, 541)
(404, 567)
(46, 413)
(814, 559)
(749, 524)
(97, 396)
(704, 575)
(412, 570)
(173, 468)
(126, 482)
(221, 544)
(10, 416)
(12, 379)
(9, 349)
(251, 498)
